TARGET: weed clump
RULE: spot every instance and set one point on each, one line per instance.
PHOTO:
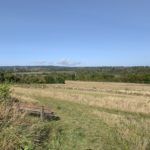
(17, 130)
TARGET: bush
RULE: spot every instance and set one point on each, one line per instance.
(60, 80)
(4, 92)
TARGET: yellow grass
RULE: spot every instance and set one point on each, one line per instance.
(120, 96)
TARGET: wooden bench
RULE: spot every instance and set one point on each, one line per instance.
(41, 111)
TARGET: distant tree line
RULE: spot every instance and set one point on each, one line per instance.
(59, 75)
(30, 78)
(111, 74)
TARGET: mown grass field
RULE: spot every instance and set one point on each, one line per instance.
(94, 116)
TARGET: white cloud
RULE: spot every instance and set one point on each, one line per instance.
(66, 62)
(40, 62)
(63, 62)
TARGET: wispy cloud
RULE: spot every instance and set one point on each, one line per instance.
(63, 62)
(42, 62)
(66, 62)
(39, 62)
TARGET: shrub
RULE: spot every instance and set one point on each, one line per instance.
(4, 92)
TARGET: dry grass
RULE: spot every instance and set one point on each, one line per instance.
(120, 96)
(128, 127)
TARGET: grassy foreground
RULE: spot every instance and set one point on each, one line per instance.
(94, 116)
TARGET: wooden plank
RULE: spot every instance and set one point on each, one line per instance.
(37, 110)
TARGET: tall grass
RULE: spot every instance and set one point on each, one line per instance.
(17, 130)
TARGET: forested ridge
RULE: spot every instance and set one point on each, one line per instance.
(54, 74)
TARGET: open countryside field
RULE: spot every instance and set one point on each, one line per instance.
(94, 115)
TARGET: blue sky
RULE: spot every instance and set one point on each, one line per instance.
(75, 32)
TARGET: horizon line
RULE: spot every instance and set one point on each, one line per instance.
(74, 66)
